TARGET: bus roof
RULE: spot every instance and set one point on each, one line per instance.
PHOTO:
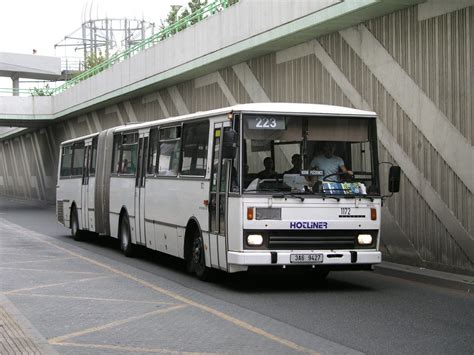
(267, 108)
(72, 140)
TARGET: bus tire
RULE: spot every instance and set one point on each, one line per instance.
(76, 233)
(197, 259)
(125, 236)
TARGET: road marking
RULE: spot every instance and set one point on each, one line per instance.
(238, 322)
(48, 270)
(242, 324)
(222, 315)
(116, 323)
(23, 254)
(34, 261)
(52, 285)
(132, 349)
(93, 298)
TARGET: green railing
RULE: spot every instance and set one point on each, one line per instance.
(17, 92)
(36, 91)
(204, 12)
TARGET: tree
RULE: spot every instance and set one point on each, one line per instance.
(93, 60)
(195, 6)
(44, 91)
(170, 20)
(173, 17)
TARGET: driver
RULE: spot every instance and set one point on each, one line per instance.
(329, 163)
(269, 172)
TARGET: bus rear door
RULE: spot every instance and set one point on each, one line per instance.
(140, 181)
(87, 201)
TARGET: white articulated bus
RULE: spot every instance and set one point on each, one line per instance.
(270, 184)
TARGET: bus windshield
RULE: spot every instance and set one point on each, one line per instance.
(309, 155)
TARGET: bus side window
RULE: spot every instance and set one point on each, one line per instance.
(129, 153)
(125, 154)
(153, 152)
(195, 142)
(170, 147)
(66, 161)
(116, 154)
(93, 158)
(77, 159)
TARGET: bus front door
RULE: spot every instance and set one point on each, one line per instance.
(218, 201)
(140, 181)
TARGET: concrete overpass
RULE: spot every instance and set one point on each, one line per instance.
(16, 66)
(410, 61)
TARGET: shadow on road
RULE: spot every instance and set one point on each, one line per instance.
(255, 281)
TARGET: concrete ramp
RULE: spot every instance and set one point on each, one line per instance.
(29, 66)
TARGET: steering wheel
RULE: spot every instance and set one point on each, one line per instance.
(344, 177)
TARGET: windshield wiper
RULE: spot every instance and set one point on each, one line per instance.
(331, 196)
(339, 196)
(289, 194)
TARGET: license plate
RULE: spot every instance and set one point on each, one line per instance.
(306, 258)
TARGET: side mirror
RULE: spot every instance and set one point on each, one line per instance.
(229, 144)
(394, 179)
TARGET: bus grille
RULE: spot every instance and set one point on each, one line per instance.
(60, 211)
(309, 240)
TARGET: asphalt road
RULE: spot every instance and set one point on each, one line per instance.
(363, 311)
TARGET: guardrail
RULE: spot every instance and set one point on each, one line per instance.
(16, 92)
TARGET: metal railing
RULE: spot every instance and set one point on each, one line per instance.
(185, 22)
(15, 92)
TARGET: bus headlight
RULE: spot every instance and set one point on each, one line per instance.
(364, 239)
(255, 239)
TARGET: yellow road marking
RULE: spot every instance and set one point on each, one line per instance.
(222, 315)
(93, 298)
(33, 261)
(46, 270)
(113, 324)
(52, 285)
(23, 254)
(132, 349)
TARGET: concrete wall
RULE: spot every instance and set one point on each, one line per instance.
(413, 67)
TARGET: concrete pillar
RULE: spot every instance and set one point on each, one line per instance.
(15, 84)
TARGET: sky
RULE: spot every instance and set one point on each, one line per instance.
(40, 24)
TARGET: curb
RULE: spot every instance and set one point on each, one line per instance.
(427, 276)
(28, 202)
(20, 334)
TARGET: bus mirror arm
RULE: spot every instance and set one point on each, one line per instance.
(229, 144)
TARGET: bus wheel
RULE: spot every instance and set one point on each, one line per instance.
(197, 260)
(125, 237)
(75, 231)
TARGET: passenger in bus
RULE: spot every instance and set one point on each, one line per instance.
(329, 163)
(234, 180)
(125, 166)
(296, 161)
(269, 172)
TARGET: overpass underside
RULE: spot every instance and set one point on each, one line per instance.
(412, 66)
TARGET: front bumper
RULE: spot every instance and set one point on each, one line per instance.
(282, 257)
